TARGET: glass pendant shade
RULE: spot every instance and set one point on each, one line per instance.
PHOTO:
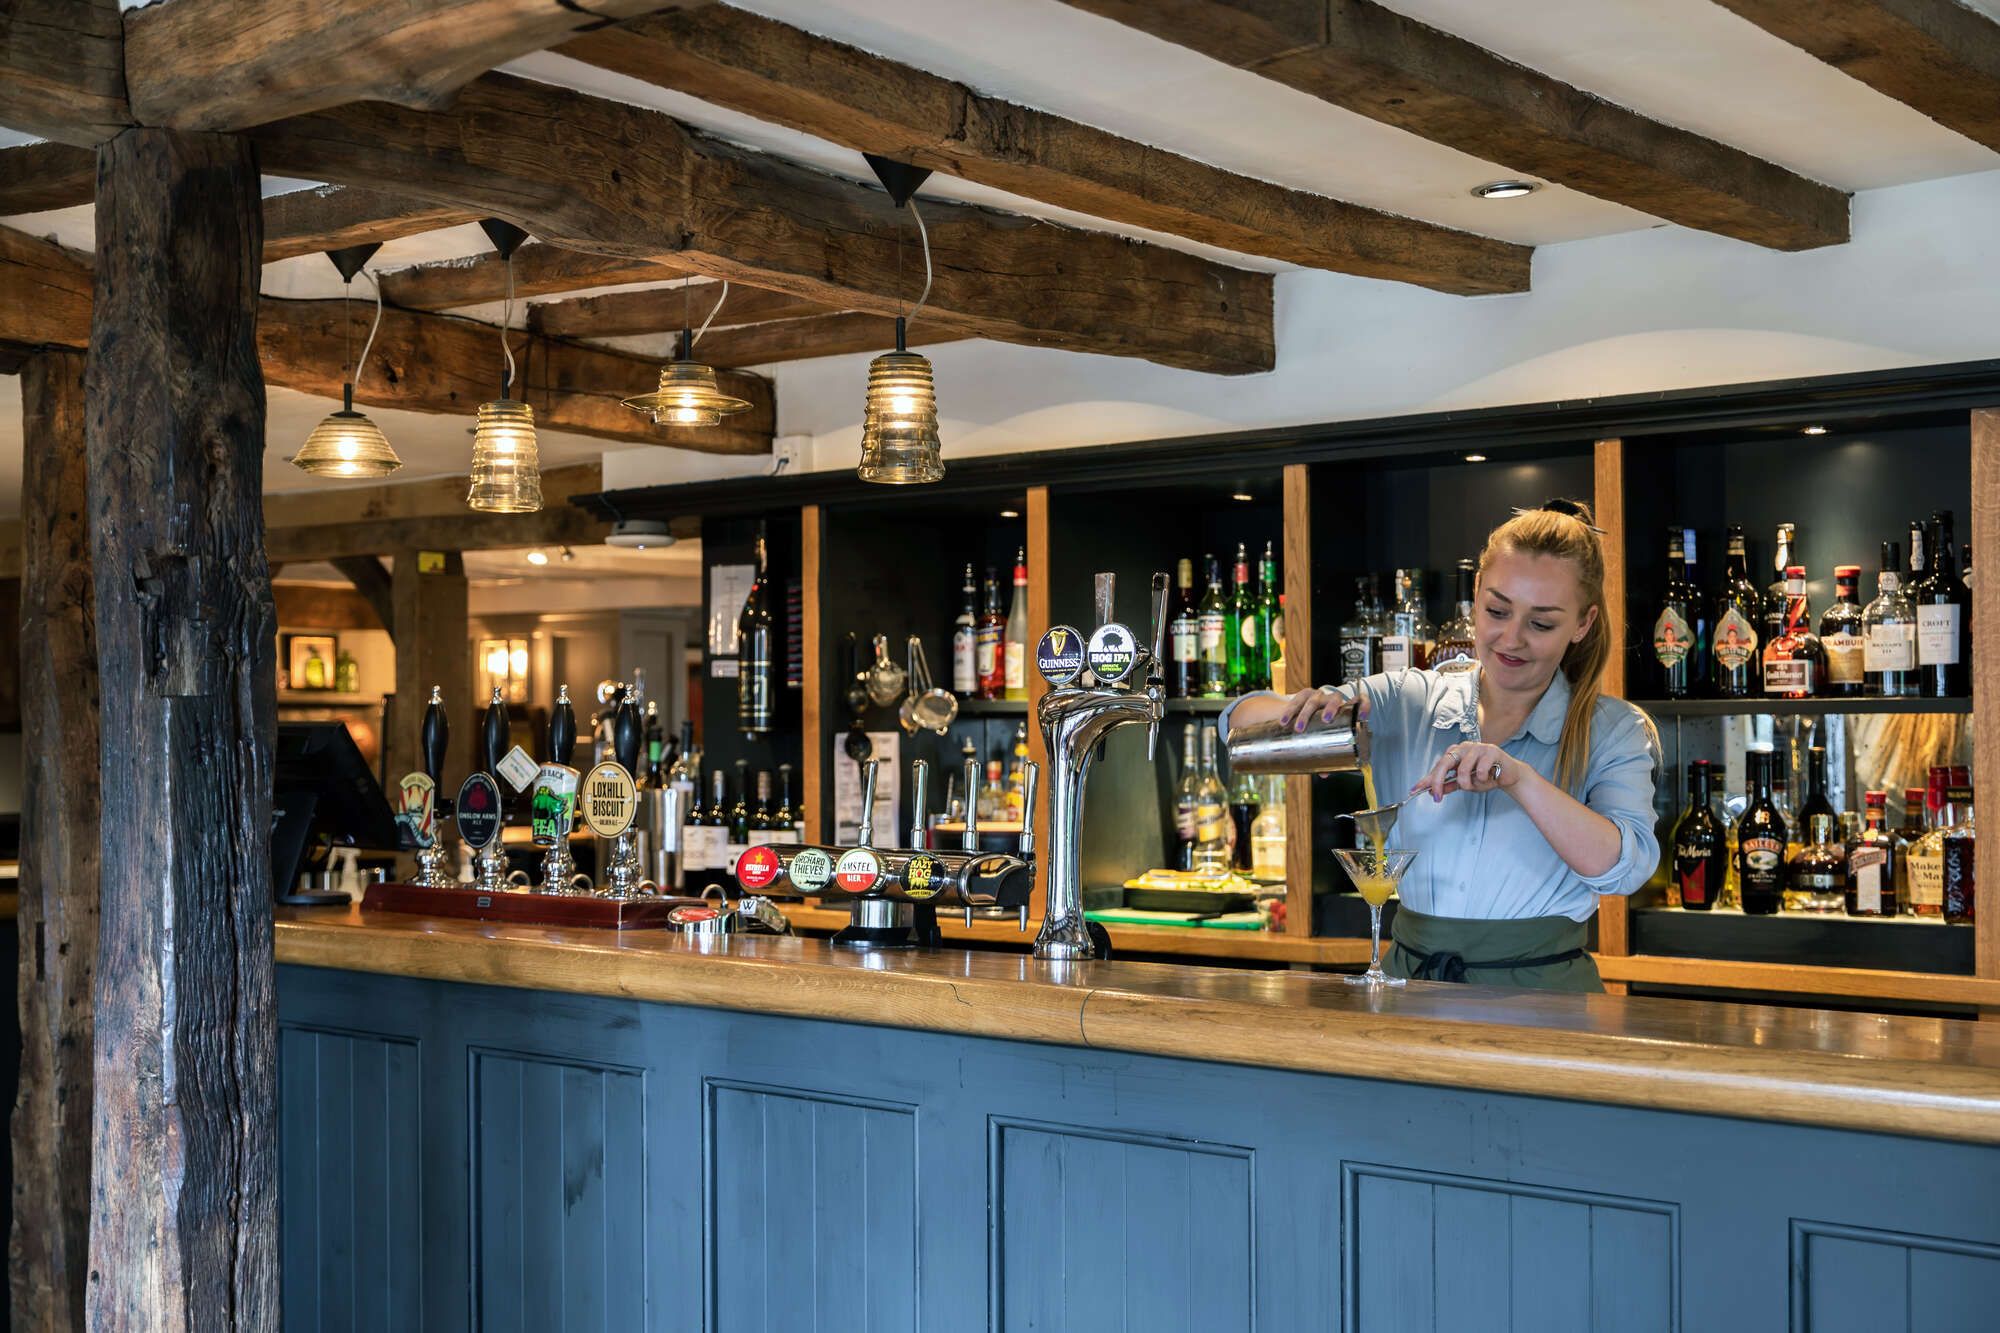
(506, 467)
(346, 444)
(688, 396)
(899, 432)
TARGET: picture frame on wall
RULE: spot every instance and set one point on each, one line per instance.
(309, 660)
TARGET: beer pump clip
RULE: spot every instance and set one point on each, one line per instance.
(552, 807)
(480, 812)
(419, 807)
(611, 803)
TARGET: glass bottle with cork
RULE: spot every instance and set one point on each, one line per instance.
(1872, 862)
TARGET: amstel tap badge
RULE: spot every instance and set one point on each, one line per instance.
(416, 809)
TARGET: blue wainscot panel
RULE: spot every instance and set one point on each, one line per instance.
(1856, 1280)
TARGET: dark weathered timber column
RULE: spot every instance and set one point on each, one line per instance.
(184, 1222)
(48, 1253)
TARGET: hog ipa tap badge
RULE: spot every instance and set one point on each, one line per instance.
(1112, 653)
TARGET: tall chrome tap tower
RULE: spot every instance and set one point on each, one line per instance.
(1096, 690)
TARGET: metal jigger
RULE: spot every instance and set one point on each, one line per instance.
(490, 867)
(558, 866)
(623, 878)
(433, 740)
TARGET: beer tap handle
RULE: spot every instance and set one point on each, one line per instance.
(1155, 669)
(562, 729)
(867, 833)
(920, 783)
(1107, 587)
(1031, 780)
(493, 732)
(970, 842)
(435, 738)
(625, 731)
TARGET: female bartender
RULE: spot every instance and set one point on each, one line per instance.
(1530, 793)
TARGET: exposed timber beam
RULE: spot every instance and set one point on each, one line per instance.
(539, 270)
(823, 335)
(665, 310)
(371, 580)
(613, 178)
(332, 217)
(37, 177)
(226, 64)
(420, 362)
(552, 525)
(1381, 64)
(1940, 57)
(62, 69)
(749, 63)
(431, 498)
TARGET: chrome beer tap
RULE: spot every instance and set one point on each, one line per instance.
(1075, 719)
(623, 878)
(433, 740)
(553, 807)
(490, 866)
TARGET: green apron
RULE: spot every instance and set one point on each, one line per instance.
(1539, 953)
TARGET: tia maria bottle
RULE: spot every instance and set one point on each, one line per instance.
(1701, 845)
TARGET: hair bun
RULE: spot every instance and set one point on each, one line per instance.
(1576, 509)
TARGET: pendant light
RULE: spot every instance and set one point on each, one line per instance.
(506, 466)
(899, 427)
(346, 443)
(688, 394)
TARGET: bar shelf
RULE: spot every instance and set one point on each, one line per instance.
(1797, 707)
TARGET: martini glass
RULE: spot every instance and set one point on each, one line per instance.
(1376, 875)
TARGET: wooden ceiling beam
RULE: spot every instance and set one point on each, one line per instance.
(1940, 57)
(316, 506)
(227, 64)
(589, 173)
(664, 309)
(332, 217)
(775, 72)
(1377, 63)
(39, 177)
(62, 69)
(539, 270)
(551, 525)
(821, 335)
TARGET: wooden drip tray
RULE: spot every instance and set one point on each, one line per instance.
(527, 909)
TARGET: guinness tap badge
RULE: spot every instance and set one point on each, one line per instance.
(1059, 655)
(610, 799)
(478, 811)
(416, 809)
(552, 809)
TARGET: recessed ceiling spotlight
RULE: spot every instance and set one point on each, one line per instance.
(1243, 496)
(1814, 430)
(538, 557)
(1505, 189)
(1475, 458)
(1010, 513)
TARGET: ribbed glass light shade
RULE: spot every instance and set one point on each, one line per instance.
(346, 444)
(899, 433)
(506, 467)
(688, 396)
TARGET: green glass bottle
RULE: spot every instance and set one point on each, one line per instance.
(1267, 618)
(1240, 623)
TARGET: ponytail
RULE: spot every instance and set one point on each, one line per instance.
(1561, 528)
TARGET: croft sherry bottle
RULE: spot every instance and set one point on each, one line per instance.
(1794, 662)
(1889, 657)
(1673, 628)
(1941, 605)
(1760, 842)
(1738, 612)
(1842, 635)
(1700, 845)
(1184, 671)
(1455, 640)
(1871, 863)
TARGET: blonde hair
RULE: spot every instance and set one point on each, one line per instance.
(1561, 528)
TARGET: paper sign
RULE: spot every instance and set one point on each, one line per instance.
(518, 768)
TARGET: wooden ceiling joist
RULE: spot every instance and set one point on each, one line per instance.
(665, 310)
(539, 270)
(1375, 62)
(38, 177)
(822, 335)
(420, 362)
(758, 66)
(589, 173)
(1940, 57)
(62, 69)
(332, 217)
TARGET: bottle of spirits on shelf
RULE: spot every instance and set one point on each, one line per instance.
(1212, 636)
(1240, 622)
(1926, 858)
(1186, 797)
(1673, 629)
(1210, 851)
(1267, 835)
(1794, 662)
(713, 834)
(993, 796)
(1738, 612)
(1410, 640)
(1244, 803)
(1871, 863)
(1960, 890)
(1184, 671)
(1781, 796)
(965, 642)
(786, 823)
(1784, 555)
(1760, 842)
(737, 830)
(1700, 847)
(1014, 647)
(1819, 870)
(1889, 657)
(1843, 636)
(989, 637)
(1360, 639)
(1455, 639)
(1941, 605)
(1701, 658)
(760, 814)
(1908, 834)
(756, 656)
(1267, 621)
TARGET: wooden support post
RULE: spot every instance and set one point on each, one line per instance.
(372, 581)
(813, 752)
(433, 647)
(1039, 618)
(1984, 539)
(184, 1217)
(1298, 674)
(1608, 504)
(49, 1253)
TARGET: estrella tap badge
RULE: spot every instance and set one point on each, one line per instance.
(552, 809)
(811, 870)
(1059, 655)
(758, 867)
(1112, 652)
(858, 870)
(416, 808)
(610, 799)
(478, 811)
(920, 878)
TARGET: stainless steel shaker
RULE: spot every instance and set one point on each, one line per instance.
(1339, 746)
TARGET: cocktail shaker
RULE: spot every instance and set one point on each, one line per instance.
(1339, 746)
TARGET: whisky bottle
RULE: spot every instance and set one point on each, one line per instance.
(1455, 639)
(1926, 858)
(1819, 870)
(1871, 863)
(1410, 640)
(1673, 628)
(1889, 657)
(1941, 604)
(1794, 662)
(1360, 639)
(988, 658)
(1184, 675)
(1960, 893)
(1843, 636)
(1908, 834)
(1760, 842)
(1700, 847)
(1738, 612)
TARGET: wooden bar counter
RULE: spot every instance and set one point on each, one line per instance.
(766, 1132)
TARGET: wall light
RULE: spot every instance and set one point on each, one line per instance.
(538, 557)
(1010, 513)
(1243, 496)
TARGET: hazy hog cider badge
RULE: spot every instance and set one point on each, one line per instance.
(758, 868)
(552, 809)
(1059, 655)
(478, 811)
(416, 808)
(812, 870)
(920, 878)
(1112, 652)
(858, 870)
(609, 800)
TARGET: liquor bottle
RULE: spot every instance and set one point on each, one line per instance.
(1240, 622)
(1908, 834)
(1267, 835)
(1700, 847)
(1960, 890)
(712, 836)
(1871, 863)
(1359, 652)
(1185, 799)
(1760, 842)
(1410, 641)
(993, 796)
(1889, 657)
(784, 822)
(737, 840)
(756, 667)
(760, 815)
(1378, 616)
(1673, 628)
(1015, 636)
(1244, 803)
(655, 746)
(1212, 636)
(1842, 634)
(1784, 555)
(1926, 856)
(1209, 853)
(1267, 621)
(1184, 677)
(1738, 612)
(1941, 605)
(1700, 655)
(964, 643)
(682, 777)
(1455, 639)
(991, 631)
(1819, 870)
(1794, 662)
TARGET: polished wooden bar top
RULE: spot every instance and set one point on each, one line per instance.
(1936, 1078)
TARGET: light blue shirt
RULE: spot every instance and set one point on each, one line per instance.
(1478, 854)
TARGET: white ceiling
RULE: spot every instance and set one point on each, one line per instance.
(1687, 62)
